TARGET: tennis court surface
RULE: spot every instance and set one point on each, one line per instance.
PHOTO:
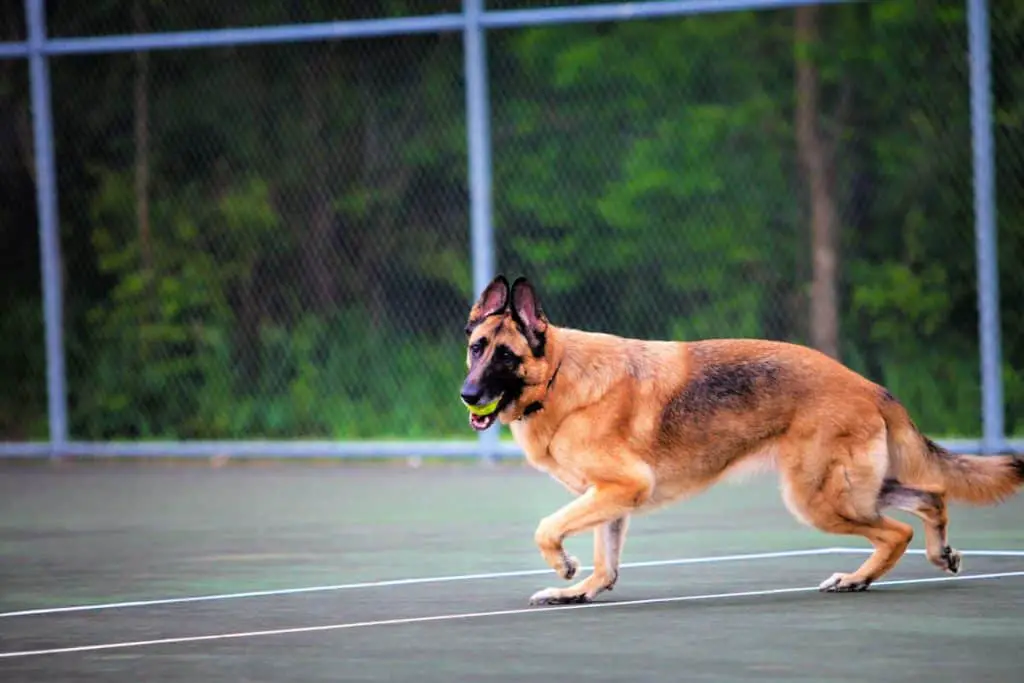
(301, 572)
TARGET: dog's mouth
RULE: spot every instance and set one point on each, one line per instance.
(483, 416)
(482, 422)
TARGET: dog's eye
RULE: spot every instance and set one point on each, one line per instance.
(505, 356)
(478, 346)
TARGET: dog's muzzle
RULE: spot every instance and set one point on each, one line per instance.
(482, 412)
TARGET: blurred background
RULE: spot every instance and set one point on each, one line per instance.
(276, 240)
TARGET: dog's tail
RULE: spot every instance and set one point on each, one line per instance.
(974, 479)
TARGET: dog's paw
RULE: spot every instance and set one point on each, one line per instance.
(952, 560)
(843, 583)
(557, 596)
(570, 565)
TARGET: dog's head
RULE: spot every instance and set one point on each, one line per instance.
(506, 344)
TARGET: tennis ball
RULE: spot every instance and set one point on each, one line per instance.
(484, 410)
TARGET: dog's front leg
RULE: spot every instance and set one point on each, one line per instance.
(609, 539)
(604, 503)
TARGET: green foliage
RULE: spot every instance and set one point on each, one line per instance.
(23, 399)
(306, 269)
(314, 383)
(894, 297)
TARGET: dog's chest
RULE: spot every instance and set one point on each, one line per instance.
(533, 439)
(541, 453)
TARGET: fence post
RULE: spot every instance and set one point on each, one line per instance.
(479, 132)
(49, 227)
(993, 436)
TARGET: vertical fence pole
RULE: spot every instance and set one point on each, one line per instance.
(478, 130)
(49, 233)
(993, 437)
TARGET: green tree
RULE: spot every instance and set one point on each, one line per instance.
(273, 240)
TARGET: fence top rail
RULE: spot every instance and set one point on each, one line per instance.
(327, 449)
(14, 50)
(393, 26)
(628, 11)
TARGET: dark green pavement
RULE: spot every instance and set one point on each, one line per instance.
(89, 533)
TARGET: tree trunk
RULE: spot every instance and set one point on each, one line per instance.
(815, 159)
(141, 96)
(318, 254)
(18, 100)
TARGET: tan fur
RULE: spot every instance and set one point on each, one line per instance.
(965, 478)
(630, 425)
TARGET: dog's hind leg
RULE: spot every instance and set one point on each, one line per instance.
(609, 539)
(930, 507)
(890, 538)
(839, 494)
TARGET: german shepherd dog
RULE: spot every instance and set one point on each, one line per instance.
(629, 425)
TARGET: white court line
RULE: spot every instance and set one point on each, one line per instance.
(470, 577)
(919, 551)
(476, 615)
(407, 582)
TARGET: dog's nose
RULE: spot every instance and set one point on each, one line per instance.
(471, 394)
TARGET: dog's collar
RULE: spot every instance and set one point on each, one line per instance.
(534, 407)
(537, 406)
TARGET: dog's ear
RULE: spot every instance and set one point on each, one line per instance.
(528, 312)
(494, 299)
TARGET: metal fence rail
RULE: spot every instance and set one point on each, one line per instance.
(473, 22)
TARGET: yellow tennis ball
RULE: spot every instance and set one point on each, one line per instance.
(484, 410)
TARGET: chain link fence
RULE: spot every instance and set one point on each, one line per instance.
(652, 174)
(12, 22)
(277, 240)
(22, 364)
(272, 241)
(1007, 22)
(118, 17)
